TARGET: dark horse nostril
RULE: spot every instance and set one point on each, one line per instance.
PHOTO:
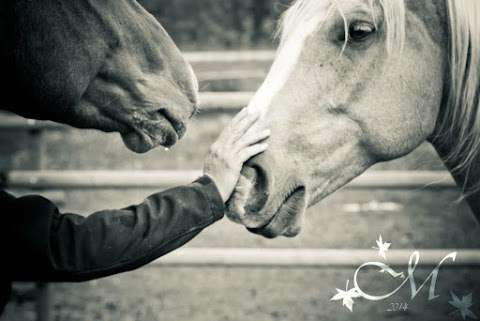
(259, 193)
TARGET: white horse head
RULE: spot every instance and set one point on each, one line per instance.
(357, 82)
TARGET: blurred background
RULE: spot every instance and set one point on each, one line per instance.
(352, 219)
(217, 24)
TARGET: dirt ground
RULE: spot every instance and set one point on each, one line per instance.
(167, 294)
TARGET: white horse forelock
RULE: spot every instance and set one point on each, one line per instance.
(290, 49)
(462, 118)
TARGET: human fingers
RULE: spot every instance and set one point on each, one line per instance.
(252, 138)
(250, 151)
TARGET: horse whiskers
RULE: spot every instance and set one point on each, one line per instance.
(205, 87)
(196, 111)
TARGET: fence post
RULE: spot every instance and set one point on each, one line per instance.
(42, 305)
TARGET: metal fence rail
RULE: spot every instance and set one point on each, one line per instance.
(215, 57)
(310, 258)
(64, 180)
(234, 74)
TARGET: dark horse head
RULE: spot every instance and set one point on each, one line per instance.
(102, 64)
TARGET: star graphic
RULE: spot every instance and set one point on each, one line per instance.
(382, 247)
(463, 306)
(347, 297)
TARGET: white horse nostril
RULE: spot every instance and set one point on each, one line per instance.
(249, 198)
(236, 204)
(258, 196)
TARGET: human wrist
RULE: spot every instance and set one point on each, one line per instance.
(218, 185)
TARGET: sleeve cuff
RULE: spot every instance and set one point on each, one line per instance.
(30, 234)
(211, 193)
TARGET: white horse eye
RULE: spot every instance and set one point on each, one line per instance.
(360, 31)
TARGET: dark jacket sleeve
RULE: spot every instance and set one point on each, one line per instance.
(44, 245)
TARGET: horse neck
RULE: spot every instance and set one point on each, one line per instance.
(468, 180)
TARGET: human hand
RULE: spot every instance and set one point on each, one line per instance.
(239, 142)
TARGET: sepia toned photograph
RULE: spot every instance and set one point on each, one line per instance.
(240, 160)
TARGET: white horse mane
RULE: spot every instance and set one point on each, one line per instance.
(462, 119)
(461, 122)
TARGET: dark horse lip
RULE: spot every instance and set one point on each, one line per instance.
(160, 128)
(291, 197)
(177, 124)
